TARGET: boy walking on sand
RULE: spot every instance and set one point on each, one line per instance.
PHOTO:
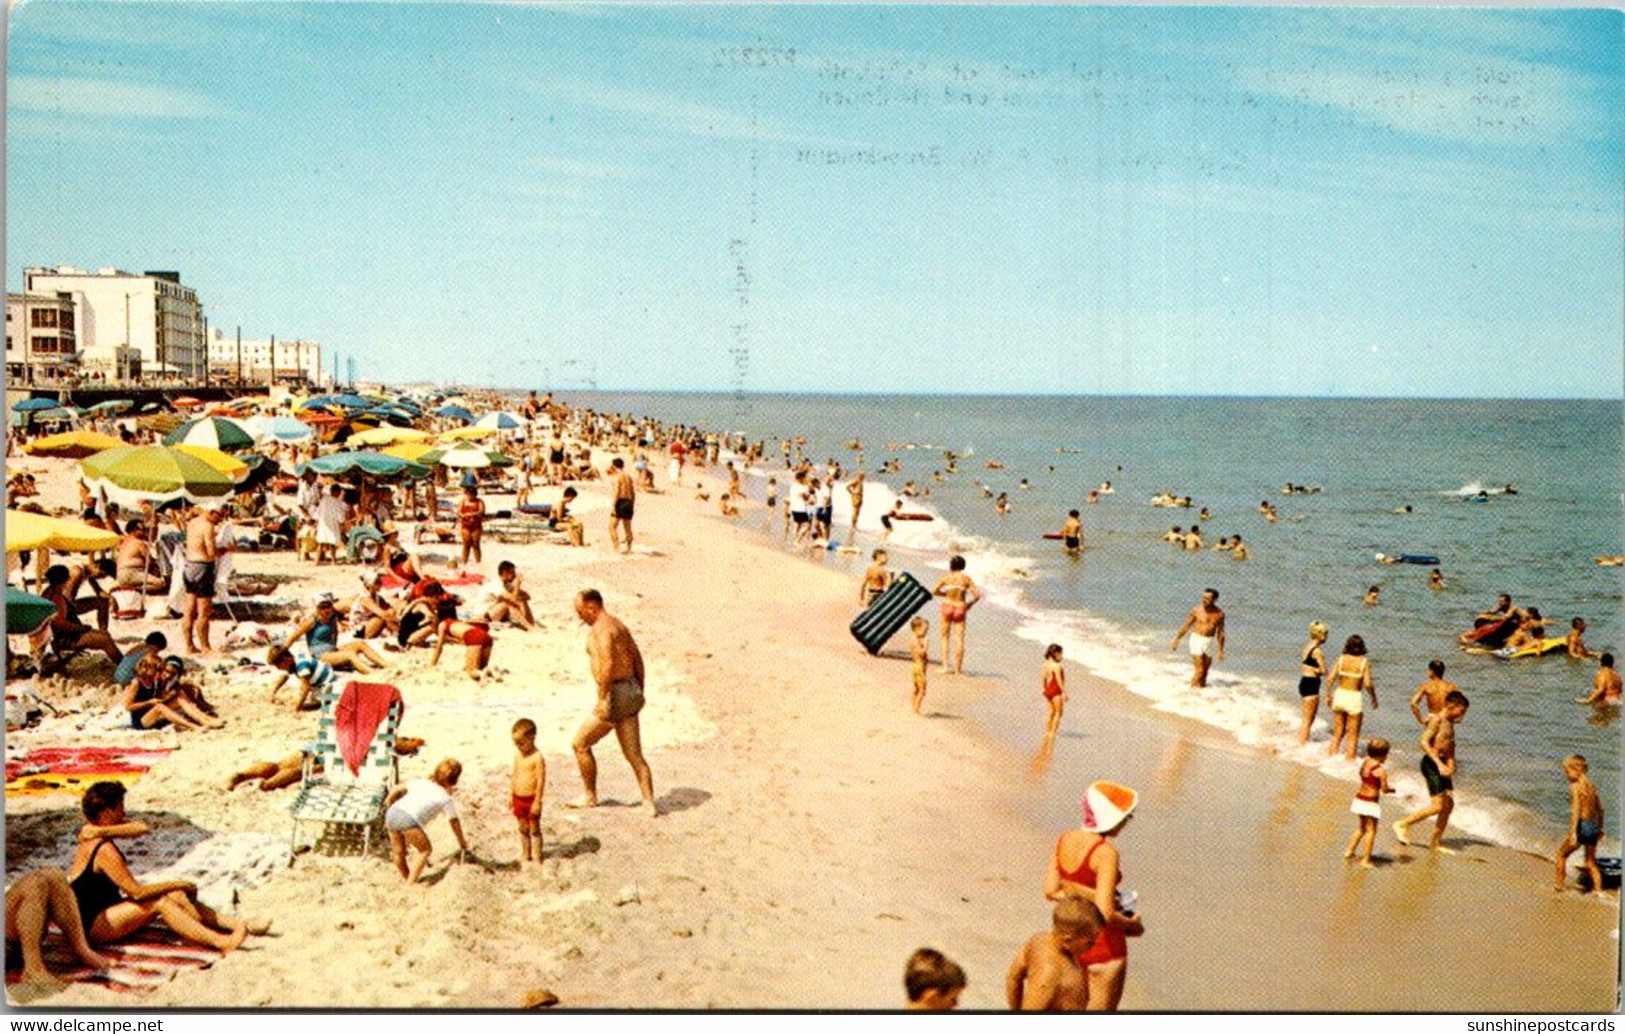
(919, 626)
(1585, 822)
(1438, 769)
(525, 786)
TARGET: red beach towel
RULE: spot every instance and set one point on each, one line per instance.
(390, 581)
(361, 707)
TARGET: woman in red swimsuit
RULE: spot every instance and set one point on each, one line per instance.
(471, 523)
(1085, 864)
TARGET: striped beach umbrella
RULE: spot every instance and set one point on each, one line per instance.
(213, 432)
(228, 465)
(500, 421)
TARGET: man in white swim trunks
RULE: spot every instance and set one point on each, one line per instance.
(1205, 623)
(617, 668)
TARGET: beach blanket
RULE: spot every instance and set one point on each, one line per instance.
(390, 581)
(362, 707)
(146, 959)
(226, 864)
(74, 769)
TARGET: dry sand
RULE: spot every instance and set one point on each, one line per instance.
(814, 832)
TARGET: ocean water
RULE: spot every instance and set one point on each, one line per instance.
(1116, 608)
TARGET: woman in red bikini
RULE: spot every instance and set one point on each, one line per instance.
(1054, 688)
(1085, 864)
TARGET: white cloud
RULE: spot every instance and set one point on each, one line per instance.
(101, 98)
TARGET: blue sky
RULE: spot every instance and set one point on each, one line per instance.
(984, 199)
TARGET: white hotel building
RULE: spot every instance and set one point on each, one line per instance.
(262, 361)
(130, 326)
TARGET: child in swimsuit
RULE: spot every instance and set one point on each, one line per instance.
(525, 786)
(1585, 822)
(1367, 800)
(919, 627)
(1054, 678)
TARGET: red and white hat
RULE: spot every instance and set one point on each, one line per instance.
(1106, 806)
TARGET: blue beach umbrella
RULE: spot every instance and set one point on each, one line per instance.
(367, 464)
(455, 413)
(30, 405)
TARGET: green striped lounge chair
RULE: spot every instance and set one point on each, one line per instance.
(334, 796)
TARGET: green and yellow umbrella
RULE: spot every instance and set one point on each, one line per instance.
(153, 473)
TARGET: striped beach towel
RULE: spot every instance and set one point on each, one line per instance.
(73, 769)
(147, 959)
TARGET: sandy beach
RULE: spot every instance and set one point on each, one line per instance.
(814, 832)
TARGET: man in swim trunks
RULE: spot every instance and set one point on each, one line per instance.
(1072, 533)
(1439, 770)
(624, 493)
(198, 577)
(1205, 623)
(876, 580)
(617, 668)
(1605, 686)
(1045, 976)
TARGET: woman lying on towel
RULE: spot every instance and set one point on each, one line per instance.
(113, 904)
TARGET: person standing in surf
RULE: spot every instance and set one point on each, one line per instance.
(959, 594)
(1205, 623)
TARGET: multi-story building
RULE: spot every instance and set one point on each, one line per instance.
(262, 361)
(41, 338)
(146, 326)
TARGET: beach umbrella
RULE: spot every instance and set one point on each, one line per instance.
(56, 414)
(320, 417)
(282, 428)
(455, 413)
(414, 451)
(500, 421)
(31, 405)
(342, 401)
(469, 432)
(112, 406)
(388, 436)
(261, 470)
(214, 432)
(467, 456)
(154, 473)
(186, 402)
(230, 466)
(75, 445)
(25, 612)
(375, 465)
(25, 531)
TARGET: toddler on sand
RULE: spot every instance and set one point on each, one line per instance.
(1367, 800)
(412, 806)
(919, 626)
(529, 779)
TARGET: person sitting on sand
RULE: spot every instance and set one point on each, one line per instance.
(320, 632)
(370, 614)
(154, 700)
(1045, 976)
(959, 594)
(412, 806)
(560, 520)
(510, 602)
(1585, 822)
(1606, 684)
(155, 643)
(67, 632)
(421, 616)
(33, 900)
(113, 904)
(132, 560)
(932, 982)
(726, 505)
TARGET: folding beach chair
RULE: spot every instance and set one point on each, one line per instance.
(337, 796)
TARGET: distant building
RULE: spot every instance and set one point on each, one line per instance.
(42, 342)
(146, 326)
(262, 361)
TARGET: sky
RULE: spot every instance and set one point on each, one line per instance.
(1068, 200)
